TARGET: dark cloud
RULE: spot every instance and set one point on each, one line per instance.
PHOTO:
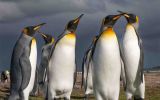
(14, 10)
(16, 14)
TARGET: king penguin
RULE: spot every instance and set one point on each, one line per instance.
(133, 58)
(43, 68)
(62, 64)
(23, 64)
(87, 71)
(106, 61)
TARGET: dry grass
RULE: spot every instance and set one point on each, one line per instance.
(152, 89)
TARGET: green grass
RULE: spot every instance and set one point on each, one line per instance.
(77, 94)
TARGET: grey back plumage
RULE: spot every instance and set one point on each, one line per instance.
(43, 67)
(46, 50)
(141, 59)
(21, 49)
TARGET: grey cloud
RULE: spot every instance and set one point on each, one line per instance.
(33, 8)
(9, 11)
(56, 14)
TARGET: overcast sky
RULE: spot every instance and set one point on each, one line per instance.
(16, 14)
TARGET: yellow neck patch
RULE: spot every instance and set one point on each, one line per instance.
(71, 35)
(33, 42)
(137, 19)
(52, 40)
(129, 25)
(108, 33)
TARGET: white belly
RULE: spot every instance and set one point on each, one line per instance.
(62, 67)
(107, 67)
(131, 53)
(33, 61)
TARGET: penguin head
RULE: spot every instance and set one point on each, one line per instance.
(30, 30)
(131, 18)
(109, 21)
(72, 25)
(47, 38)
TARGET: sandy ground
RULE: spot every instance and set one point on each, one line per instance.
(152, 89)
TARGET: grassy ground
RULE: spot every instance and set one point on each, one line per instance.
(77, 94)
(152, 90)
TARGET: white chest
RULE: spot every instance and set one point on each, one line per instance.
(33, 62)
(62, 64)
(130, 44)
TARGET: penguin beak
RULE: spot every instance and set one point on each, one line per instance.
(116, 17)
(37, 27)
(76, 21)
(124, 13)
(42, 34)
(130, 19)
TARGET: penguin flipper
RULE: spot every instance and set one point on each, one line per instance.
(123, 71)
(88, 57)
(83, 64)
(123, 76)
(26, 69)
(53, 47)
(141, 60)
(88, 60)
(75, 73)
(35, 87)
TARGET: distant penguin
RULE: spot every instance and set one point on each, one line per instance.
(133, 59)
(5, 76)
(106, 62)
(87, 71)
(43, 68)
(62, 64)
(23, 64)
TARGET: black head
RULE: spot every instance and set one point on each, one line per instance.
(110, 20)
(131, 18)
(30, 30)
(47, 38)
(72, 25)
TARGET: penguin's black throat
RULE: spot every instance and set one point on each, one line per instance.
(72, 26)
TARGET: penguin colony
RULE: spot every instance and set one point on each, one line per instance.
(104, 62)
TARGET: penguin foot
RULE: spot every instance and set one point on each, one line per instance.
(138, 98)
(129, 99)
(86, 97)
(55, 99)
(65, 98)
